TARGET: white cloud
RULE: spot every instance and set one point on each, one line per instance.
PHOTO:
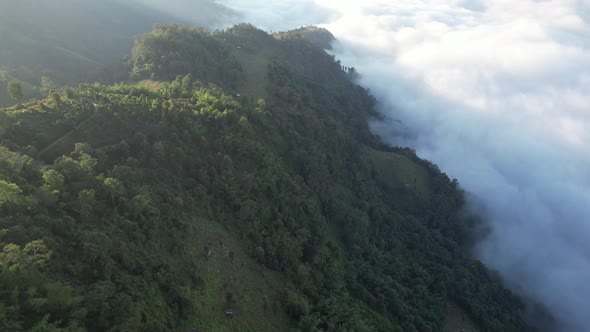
(277, 15)
(497, 94)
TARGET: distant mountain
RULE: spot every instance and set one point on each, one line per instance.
(206, 13)
(73, 41)
(233, 184)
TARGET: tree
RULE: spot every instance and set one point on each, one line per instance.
(115, 188)
(35, 254)
(3, 74)
(9, 193)
(69, 93)
(187, 83)
(15, 90)
(4, 123)
(52, 188)
(47, 85)
(53, 180)
(87, 199)
(55, 98)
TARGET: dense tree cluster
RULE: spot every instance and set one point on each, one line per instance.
(15, 90)
(171, 50)
(320, 37)
(96, 231)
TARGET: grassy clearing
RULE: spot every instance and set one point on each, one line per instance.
(457, 320)
(255, 67)
(400, 172)
(233, 280)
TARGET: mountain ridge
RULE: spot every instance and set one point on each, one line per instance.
(190, 198)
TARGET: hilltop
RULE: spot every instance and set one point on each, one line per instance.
(235, 170)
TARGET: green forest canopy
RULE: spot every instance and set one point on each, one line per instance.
(157, 204)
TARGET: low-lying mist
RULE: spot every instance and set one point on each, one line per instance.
(497, 93)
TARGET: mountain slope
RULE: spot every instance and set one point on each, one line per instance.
(166, 202)
(73, 41)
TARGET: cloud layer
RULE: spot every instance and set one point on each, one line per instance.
(278, 15)
(497, 93)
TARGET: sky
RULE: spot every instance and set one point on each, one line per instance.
(497, 93)
(206, 13)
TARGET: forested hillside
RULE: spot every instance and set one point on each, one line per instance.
(236, 172)
(73, 41)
